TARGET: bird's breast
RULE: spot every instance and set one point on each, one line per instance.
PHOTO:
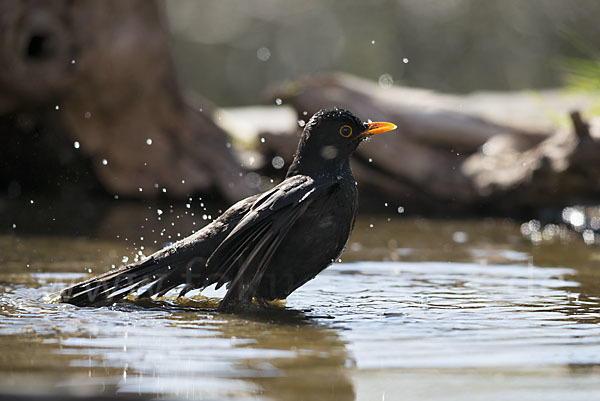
(327, 222)
(333, 214)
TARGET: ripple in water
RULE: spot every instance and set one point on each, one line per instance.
(353, 332)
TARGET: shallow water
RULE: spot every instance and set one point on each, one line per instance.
(418, 309)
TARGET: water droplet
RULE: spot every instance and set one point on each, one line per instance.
(278, 102)
(187, 205)
(251, 160)
(356, 247)
(253, 180)
(305, 113)
(140, 189)
(73, 61)
(385, 204)
(277, 162)
(460, 237)
(149, 141)
(371, 225)
(329, 152)
(400, 209)
(183, 181)
(370, 160)
(104, 162)
(14, 226)
(589, 237)
(301, 123)
(372, 42)
(263, 54)
(56, 107)
(164, 190)
(76, 145)
(125, 259)
(577, 218)
(89, 270)
(228, 145)
(386, 81)
(31, 201)
(405, 60)
(87, 115)
(262, 140)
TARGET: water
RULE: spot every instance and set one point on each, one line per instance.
(414, 311)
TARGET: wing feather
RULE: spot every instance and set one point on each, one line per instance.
(244, 256)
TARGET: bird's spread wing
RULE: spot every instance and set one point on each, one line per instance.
(243, 257)
(179, 263)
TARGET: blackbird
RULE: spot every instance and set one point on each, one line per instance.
(267, 245)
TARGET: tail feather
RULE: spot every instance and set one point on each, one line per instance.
(183, 262)
(113, 285)
(167, 282)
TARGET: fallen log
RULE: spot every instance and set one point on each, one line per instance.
(562, 170)
(459, 153)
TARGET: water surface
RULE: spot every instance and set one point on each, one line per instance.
(417, 309)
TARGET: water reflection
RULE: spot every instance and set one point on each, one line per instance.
(161, 348)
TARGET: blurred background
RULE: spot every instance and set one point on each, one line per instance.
(165, 101)
(231, 52)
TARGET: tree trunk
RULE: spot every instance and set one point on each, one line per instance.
(100, 74)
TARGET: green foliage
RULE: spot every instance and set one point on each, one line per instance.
(583, 74)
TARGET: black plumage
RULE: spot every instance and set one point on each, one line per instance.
(264, 246)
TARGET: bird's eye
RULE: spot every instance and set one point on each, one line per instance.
(346, 131)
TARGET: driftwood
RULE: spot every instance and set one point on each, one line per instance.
(98, 76)
(456, 153)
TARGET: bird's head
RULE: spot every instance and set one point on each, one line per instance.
(329, 138)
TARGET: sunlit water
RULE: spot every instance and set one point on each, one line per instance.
(478, 315)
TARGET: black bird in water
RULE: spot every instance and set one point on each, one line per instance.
(264, 246)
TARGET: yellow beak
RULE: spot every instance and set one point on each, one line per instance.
(379, 128)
